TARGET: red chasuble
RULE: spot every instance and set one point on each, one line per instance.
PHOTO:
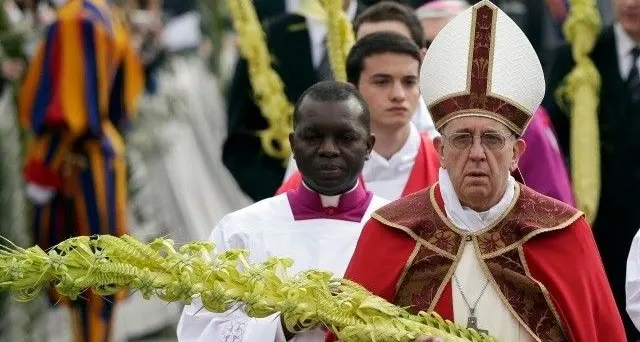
(541, 257)
(423, 174)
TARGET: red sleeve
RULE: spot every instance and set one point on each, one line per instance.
(567, 262)
(291, 184)
(379, 260)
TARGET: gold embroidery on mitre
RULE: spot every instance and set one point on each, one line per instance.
(477, 99)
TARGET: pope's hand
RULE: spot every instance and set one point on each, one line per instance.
(429, 339)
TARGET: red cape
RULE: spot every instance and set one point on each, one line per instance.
(566, 261)
(423, 173)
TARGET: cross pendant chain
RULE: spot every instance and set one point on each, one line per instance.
(472, 322)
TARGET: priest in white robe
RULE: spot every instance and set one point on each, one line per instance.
(478, 247)
(317, 225)
(384, 66)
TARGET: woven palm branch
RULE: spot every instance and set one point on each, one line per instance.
(309, 299)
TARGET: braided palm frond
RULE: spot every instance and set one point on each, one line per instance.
(311, 298)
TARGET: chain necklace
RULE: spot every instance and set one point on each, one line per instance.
(472, 321)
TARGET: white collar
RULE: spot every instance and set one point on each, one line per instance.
(624, 45)
(404, 158)
(466, 218)
(331, 201)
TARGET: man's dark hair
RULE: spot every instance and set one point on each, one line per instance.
(393, 11)
(375, 44)
(331, 91)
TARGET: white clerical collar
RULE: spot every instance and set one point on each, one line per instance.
(466, 218)
(330, 201)
(624, 45)
(399, 161)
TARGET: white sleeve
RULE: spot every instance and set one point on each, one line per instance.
(633, 281)
(199, 325)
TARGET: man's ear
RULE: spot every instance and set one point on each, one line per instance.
(371, 142)
(438, 143)
(518, 149)
(423, 52)
(291, 141)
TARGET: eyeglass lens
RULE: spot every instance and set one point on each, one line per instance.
(491, 141)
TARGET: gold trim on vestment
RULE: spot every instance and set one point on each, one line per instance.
(544, 290)
(447, 278)
(407, 265)
(531, 235)
(422, 241)
(503, 299)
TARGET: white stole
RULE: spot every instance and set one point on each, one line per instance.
(492, 314)
(466, 218)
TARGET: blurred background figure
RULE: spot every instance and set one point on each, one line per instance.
(192, 188)
(434, 15)
(297, 42)
(75, 107)
(616, 56)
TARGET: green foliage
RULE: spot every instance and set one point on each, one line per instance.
(108, 264)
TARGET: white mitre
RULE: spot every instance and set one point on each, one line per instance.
(482, 64)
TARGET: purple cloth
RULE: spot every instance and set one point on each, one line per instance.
(542, 164)
(306, 205)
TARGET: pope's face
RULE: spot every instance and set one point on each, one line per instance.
(478, 153)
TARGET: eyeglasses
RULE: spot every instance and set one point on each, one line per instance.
(492, 141)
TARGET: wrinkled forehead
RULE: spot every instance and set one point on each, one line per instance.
(475, 124)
